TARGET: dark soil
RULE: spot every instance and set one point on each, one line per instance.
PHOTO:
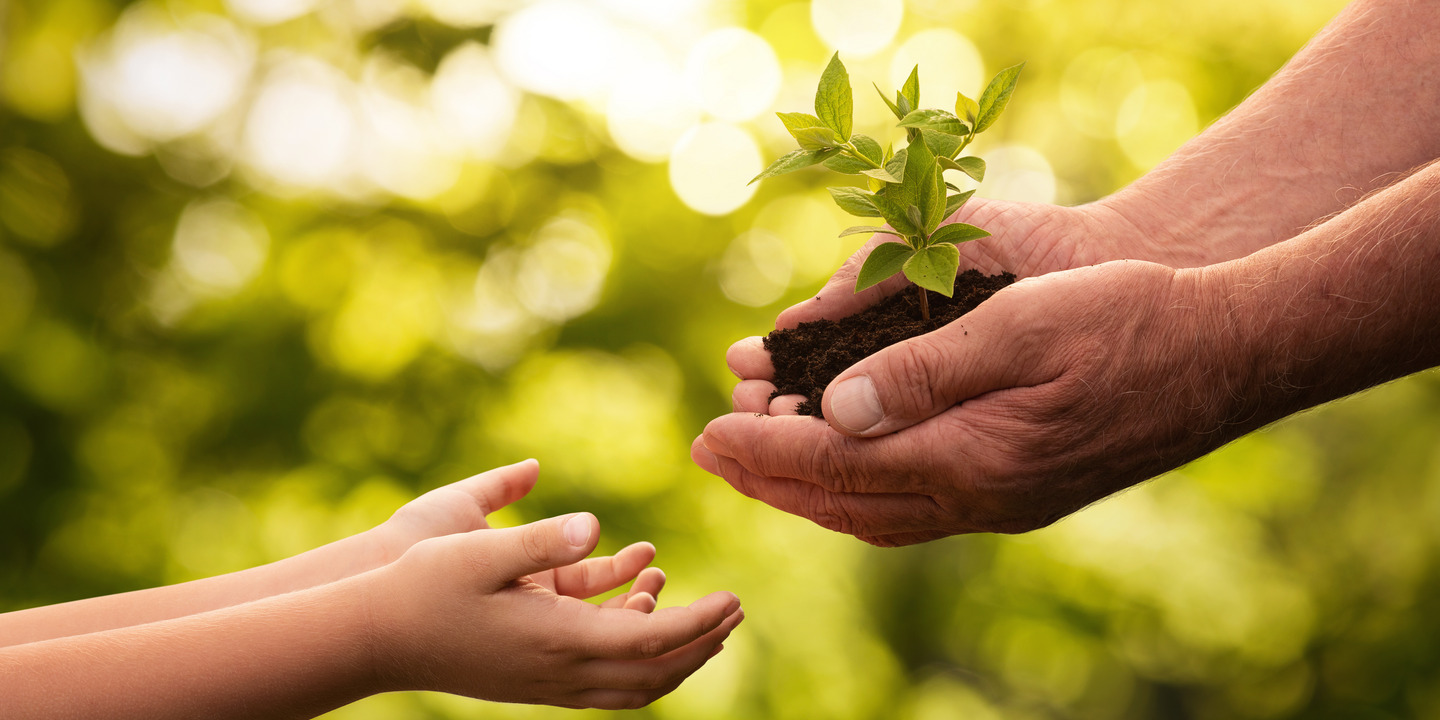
(808, 357)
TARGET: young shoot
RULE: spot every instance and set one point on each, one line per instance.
(906, 188)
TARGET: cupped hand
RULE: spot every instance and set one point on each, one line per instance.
(478, 614)
(1028, 239)
(1054, 393)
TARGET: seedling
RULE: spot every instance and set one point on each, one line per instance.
(906, 188)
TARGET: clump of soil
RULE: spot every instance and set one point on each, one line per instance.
(808, 357)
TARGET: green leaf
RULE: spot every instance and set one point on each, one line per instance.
(867, 146)
(798, 121)
(911, 89)
(816, 138)
(891, 105)
(933, 203)
(855, 201)
(996, 95)
(966, 108)
(919, 162)
(880, 174)
(934, 268)
(955, 202)
(937, 120)
(903, 103)
(884, 261)
(913, 214)
(862, 229)
(848, 165)
(943, 145)
(896, 165)
(958, 233)
(833, 103)
(972, 166)
(795, 161)
(894, 213)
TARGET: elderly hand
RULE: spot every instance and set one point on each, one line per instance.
(1054, 393)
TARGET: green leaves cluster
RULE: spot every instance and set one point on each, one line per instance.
(906, 188)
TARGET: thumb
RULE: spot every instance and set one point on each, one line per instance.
(543, 545)
(914, 380)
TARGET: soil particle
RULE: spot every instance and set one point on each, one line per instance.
(808, 357)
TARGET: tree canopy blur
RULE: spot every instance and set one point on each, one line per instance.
(268, 268)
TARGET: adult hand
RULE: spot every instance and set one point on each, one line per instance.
(1054, 393)
(1030, 239)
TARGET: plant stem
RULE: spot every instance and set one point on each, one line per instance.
(850, 150)
(924, 304)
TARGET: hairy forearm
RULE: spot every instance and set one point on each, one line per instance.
(1346, 305)
(1356, 109)
(335, 561)
(294, 655)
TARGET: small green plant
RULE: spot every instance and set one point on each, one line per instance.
(906, 188)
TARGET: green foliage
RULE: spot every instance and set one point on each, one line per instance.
(907, 188)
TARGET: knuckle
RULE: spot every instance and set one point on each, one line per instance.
(831, 514)
(536, 548)
(648, 644)
(918, 372)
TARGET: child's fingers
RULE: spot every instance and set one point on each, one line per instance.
(504, 555)
(658, 676)
(642, 601)
(591, 577)
(494, 489)
(651, 580)
(636, 636)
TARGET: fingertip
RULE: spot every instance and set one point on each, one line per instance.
(581, 530)
(641, 601)
(786, 405)
(702, 456)
(748, 359)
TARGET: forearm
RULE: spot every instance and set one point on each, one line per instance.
(1346, 305)
(335, 561)
(295, 655)
(1353, 111)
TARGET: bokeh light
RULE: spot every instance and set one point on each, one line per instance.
(949, 63)
(302, 129)
(857, 28)
(733, 74)
(711, 166)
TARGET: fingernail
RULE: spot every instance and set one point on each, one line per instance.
(855, 405)
(577, 530)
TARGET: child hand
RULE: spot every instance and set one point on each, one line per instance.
(496, 614)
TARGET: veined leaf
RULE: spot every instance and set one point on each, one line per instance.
(972, 166)
(937, 120)
(891, 105)
(996, 95)
(934, 268)
(894, 213)
(958, 233)
(896, 165)
(795, 161)
(911, 89)
(880, 174)
(798, 121)
(956, 201)
(943, 145)
(884, 261)
(816, 138)
(855, 201)
(862, 229)
(833, 102)
(912, 213)
(966, 108)
(846, 164)
(867, 146)
(903, 103)
(934, 201)
(919, 162)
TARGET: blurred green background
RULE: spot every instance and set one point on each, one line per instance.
(269, 268)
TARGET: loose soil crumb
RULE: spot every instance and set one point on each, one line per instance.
(808, 357)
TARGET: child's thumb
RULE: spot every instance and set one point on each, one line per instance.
(542, 545)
